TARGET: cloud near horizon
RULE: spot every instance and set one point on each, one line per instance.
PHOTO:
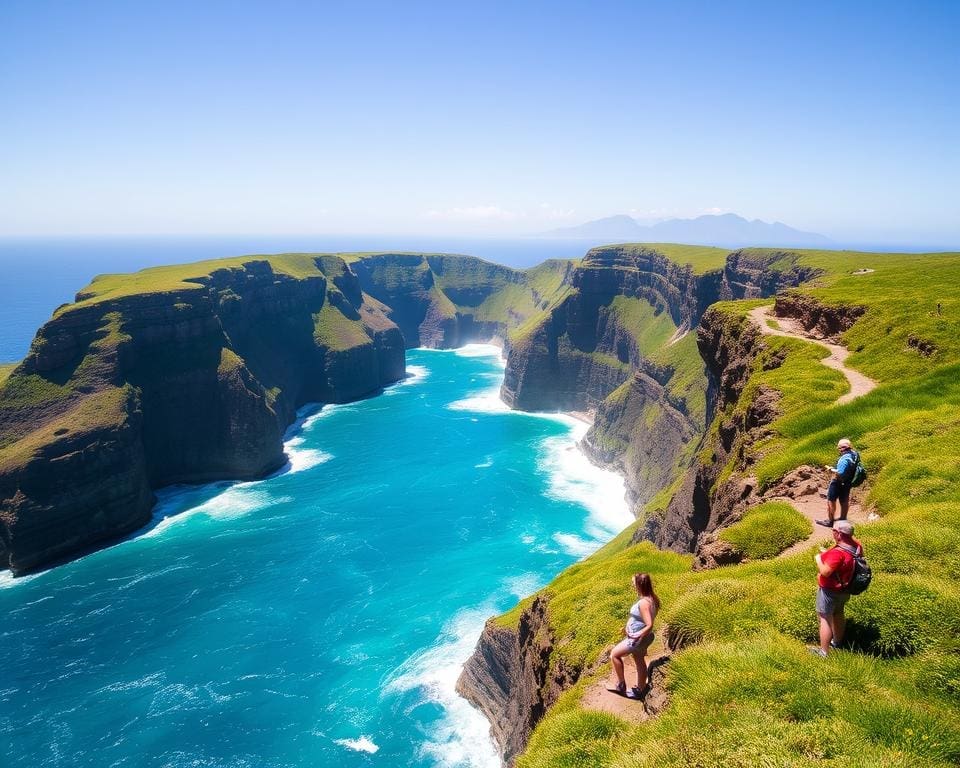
(543, 212)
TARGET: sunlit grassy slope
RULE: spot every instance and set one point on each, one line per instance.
(745, 691)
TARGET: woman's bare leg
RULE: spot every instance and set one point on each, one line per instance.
(640, 660)
(616, 660)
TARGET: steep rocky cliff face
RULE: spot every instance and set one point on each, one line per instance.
(754, 273)
(584, 348)
(730, 344)
(446, 301)
(124, 393)
(510, 678)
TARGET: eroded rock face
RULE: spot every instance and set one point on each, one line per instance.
(423, 295)
(702, 505)
(511, 680)
(580, 353)
(641, 432)
(755, 274)
(818, 319)
(122, 395)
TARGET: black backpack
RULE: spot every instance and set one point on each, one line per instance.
(859, 472)
(862, 575)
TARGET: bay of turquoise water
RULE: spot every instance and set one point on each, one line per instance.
(319, 617)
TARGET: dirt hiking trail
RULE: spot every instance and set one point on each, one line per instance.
(859, 384)
(598, 698)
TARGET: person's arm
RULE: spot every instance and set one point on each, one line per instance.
(646, 613)
(825, 569)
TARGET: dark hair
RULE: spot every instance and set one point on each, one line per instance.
(644, 586)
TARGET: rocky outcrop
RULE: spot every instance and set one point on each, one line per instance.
(820, 320)
(122, 394)
(513, 678)
(642, 432)
(755, 273)
(580, 352)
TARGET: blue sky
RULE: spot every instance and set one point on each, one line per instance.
(489, 118)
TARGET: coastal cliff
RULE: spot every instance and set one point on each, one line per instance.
(176, 375)
(446, 301)
(191, 373)
(635, 340)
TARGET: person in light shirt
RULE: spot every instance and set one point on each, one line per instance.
(639, 635)
(839, 488)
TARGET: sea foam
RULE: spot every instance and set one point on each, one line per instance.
(361, 744)
(573, 478)
(461, 738)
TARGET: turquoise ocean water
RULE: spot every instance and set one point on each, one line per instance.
(319, 617)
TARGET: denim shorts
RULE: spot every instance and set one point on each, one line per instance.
(830, 601)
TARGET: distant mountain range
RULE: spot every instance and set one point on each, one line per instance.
(726, 230)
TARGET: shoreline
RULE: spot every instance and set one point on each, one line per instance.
(586, 417)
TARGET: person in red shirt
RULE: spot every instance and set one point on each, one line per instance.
(835, 568)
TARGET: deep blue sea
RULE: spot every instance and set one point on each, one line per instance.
(319, 617)
(39, 274)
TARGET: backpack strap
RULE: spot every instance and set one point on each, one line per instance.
(853, 473)
(858, 552)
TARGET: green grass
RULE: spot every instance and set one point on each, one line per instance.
(744, 689)
(5, 370)
(332, 329)
(700, 258)
(188, 277)
(767, 530)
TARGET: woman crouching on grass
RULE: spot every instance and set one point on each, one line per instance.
(639, 635)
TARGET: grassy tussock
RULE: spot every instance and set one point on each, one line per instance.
(764, 701)
(767, 530)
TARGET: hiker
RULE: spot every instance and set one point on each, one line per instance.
(835, 567)
(839, 488)
(639, 635)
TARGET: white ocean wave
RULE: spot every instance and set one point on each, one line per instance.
(462, 737)
(487, 401)
(576, 546)
(7, 579)
(523, 586)
(362, 744)
(415, 374)
(487, 462)
(236, 501)
(482, 350)
(299, 459)
(573, 478)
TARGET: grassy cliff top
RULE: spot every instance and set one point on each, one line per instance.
(745, 691)
(5, 370)
(701, 258)
(186, 277)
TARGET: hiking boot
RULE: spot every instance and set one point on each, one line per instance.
(818, 652)
(825, 523)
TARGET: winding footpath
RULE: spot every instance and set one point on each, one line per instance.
(811, 505)
(808, 502)
(786, 326)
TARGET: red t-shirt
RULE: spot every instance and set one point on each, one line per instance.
(842, 563)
